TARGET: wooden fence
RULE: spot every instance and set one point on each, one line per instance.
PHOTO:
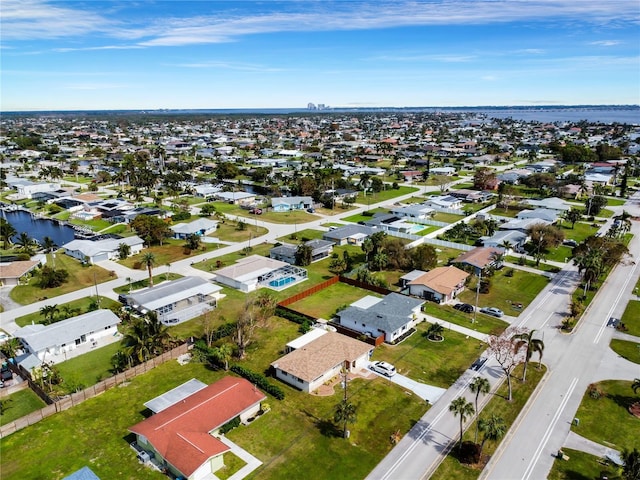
(366, 286)
(90, 392)
(309, 292)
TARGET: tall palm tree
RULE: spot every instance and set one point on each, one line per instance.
(479, 385)
(631, 461)
(136, 341)
(635, 385)
(346, 413)
(492, 428)
(6, 232)
(26, 243)
(49, 313)
(463, 408)
(48, 244)
(532, 345)
(159, 336)
(149, 260)
(223, 354)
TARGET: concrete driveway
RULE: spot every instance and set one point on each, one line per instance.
(426, 392)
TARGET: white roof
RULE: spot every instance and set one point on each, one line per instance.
(250, 268)
(366, 302)
(170, 292)
(92, 248)
(195, 226)
(175, 395)
(308, 337)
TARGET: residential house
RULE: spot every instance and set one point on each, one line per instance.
(547, 214)
(448, 171)
(27, 188)
(441, 285)
(552, 203)
(515, 238)
(443, 201)
(93, 251)
(85, 473)
(411, 175)
(388, 222)
(514, 176)
(176, 301)
(349, 234)
(255, 271)
(320, 249)
(407, 277)
(392, 316)
(12, 272)
(287, 204)
(238, 198)
(200, 227)
(319, 358)
(181, 437)
(206, 191)
(51, 342)
(479, 259)
(416, 211)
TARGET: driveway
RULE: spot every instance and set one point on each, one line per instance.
(426, 392)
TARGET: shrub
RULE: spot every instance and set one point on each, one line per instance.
(304, 327)
(292, 316)
(509, 272)
(230, 425)
(178, 216)
(259, 380)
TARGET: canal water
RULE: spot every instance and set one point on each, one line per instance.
(39, 228)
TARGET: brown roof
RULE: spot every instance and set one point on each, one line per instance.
(180, 433)
(17, 269)
(87, 197)
(441, 279)
(317, 357)
(479, 257)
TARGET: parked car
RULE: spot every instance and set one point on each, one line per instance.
(464, 307)
(311, 210)
(570, 243)
(493, 311)
(256, 211)
(3, 337)
(384, 368)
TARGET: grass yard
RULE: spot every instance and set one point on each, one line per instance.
(171, 251)
(228, 232)
(87, 369)
(81, 305)
(144, 283)
(447, 217)
(522, 288)
(580, 466)
(79, 277)
(484, 323)
(422, 360)
(427, 229)
(561, 253)
(292, 439)
(232, 464)
(384, 195)
(606, 420)
(511, 212)
(615, 202)
(97, 224)
(445, 254)
(119, 229)
(626, 349)
(308, 234)
(631, 318)
(19, 404)
(530, 263)
(324, 303)
(580, 231)
(451, 467)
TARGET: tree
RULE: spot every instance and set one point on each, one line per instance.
(345, 413)
(51, 277)
(193, 241)
(463, 408)
(531, 345)
(635, 386)
(631, 467)
(434, 332)
(304, 254)
(338, 266)
(151, 228)
(26, 243)
(48, 244)
(479, 385)
(492, 428)
(145, 337)
(505, 354)
(149, 260)
(595, 204)
(208, 209)
(124, 251)
(6, 232)
(483, 178)
(256, 311)
(49, 313)
(572, 216)
(223, 354)
(10, 347)
(542, 238)
(227, 170)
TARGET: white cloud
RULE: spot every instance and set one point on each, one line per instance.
(606, 43)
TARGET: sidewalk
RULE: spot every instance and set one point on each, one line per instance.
(578, 442)
(252, 462)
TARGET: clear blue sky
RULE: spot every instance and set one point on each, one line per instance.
(137, 54)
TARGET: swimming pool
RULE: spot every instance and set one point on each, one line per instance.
(282, 281)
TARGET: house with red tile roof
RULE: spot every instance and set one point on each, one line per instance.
(181, 437)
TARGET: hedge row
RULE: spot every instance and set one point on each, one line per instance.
(230, 425)
(289, 315)
(259, 380)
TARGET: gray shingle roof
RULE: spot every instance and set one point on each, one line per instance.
(347, 231)
(169, 292)
(389, 314)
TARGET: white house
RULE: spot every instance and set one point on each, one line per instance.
(48, 342)
(317, 361)
(418, 211)
(176, 301)
(200, 227)
(27, 188)
(99, 250)
(443, 201)
(255, 271)
(391, 316)
(287, 204)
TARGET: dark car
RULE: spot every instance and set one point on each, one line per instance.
(311, 210)
(464, 307)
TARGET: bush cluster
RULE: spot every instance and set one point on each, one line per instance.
(292, 316)
(259, 380)
(230, 425)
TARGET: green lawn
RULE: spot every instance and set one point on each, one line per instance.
(291, 440)
(79, 277)
(451, 468)
(228, 232)
(297, 237)
(615, 202)
(171, 251)
(561, 253)
(607, 420)
(447, 217)
(502, 212)
(427, 229)
(144, 283)
(484, 323)
(580, 466)
(422, 360)
(544, 267)
(579, 232)
(383, 195)
(81, 305)
(626, 349)
(88, 369)
(522, 288)
(631, 318)
(324, 303)
(19, 404)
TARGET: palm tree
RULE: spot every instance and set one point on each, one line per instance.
(49, 313)
(479, 385)
(6, 232)
(532, 345)
(492, 428)
(26, 243)
(11, 347)
(463, 408)
(223, 354)
(346, 413)
(159, 336)
(136, 341)
(149, 260)
(507, 245)
(635, 385)
(48, 244)
(435, 332)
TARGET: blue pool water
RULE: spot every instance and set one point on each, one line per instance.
(281, 281)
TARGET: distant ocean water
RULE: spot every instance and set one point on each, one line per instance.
(629, 116)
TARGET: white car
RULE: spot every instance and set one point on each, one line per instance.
(384, 368)
(3, 337)
(496, 312)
